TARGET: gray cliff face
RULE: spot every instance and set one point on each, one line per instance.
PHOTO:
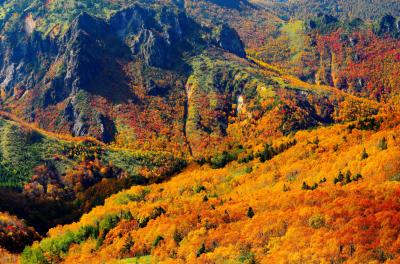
(228, 39)
(157, 38)
(389, 26)
(90, 58)
(20, 58)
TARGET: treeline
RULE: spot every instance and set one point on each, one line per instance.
(238, 154)
(367, 10)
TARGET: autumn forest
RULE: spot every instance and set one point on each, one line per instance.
(199, 131)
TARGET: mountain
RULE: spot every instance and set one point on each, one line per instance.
(159, 60)
(359, 57)
(364, 9)
(207, 131)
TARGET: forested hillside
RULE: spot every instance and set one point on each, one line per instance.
(343, 9)
(199, 131)
(327, 195)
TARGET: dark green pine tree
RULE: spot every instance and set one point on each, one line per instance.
(250, 212)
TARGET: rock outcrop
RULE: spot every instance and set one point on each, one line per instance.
(389, 26)
(228, 39)
(92, 59)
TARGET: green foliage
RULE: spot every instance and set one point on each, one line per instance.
(250, 212)
(316, 221)
(324, 23)
(247, 257)
(131, 161)
(395, 177)
(220, 160)
(247, 158)
(86, 232)
(60, 12)
(249, 169)
(367, 123)
(364, 154)
(58, 246)
(339, 178)
(21, 150)
(199, 188)
(347, 178)
(107, 223)
(307, 187)
(382, 144)
(157, 240)
(294, 30)
(269, 151)
(33, 256)
(201, 250)
(125, 198)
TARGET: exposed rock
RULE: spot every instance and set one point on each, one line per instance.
(80, 127)
(92, 49)
(23, 60)
(159, 42)
(108, 129)
(152, 48)
(228, 39)
(327, 19)
(388, 26)
(94, 56)
(69, 113)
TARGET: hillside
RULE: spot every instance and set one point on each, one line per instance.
(345, 9)
(355, 56)
(47, 179)
(335, 184)
(199, 131)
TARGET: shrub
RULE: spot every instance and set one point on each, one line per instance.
(364, 154)
(382, 144)
(246, 159)
(199, 188)
(157, 241)
(201, 250)
(32, 255)
(316, 221)
(178, 237)
(249, 169)
(267, 153)
(86, 232)
(339, 178)
(250, 212)
(247, 256)
(395, 177)
(220, 160)
(105, 225)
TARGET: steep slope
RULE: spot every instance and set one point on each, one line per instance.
(47, 179)
(281, 121)
(52, 81)
(349, 9)
(163, 78)
(14, 234)
(353, 55)
(336, 184)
